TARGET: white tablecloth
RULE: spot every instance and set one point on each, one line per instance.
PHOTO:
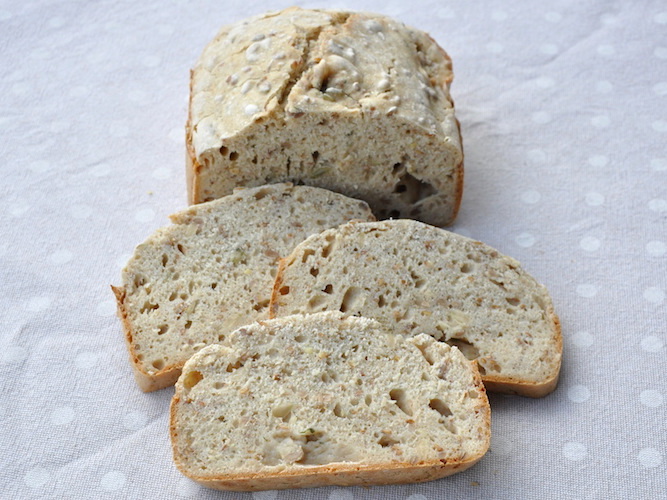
(564, 114)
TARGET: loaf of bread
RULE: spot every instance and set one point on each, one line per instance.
(421, 279)
(210, 272)
(326, 400)
(355, 103)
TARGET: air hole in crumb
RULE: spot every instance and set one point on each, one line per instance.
(419, 283)
(284, 290)
(325, 378)
(316, 301)
(513, 301)
(165, 259)
(398, 396)
(368, 400)
(473, 394)
(148, 307)
(283, 411)
(139, 281)
(314, 271)
(221, 418)
(351, 299)
(307, 253)
(315, 155)
(158, 364)
(262, 193)
(218, 385)
(180, 248)
(299, 338)
(440, 406)
(425, 376)
(482, 370)
(224, 150)
(386, 441)
(397, 169)
(233, 156)
(381, 301)
(188, 324)
(354, 401)
(162, 329)
(337, 411)
(173, 296)
(467, 348)
(192, 378)
(214, 286)
(260, 306)
(411, 190)
(466, 268)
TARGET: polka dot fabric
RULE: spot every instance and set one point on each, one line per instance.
(564, 119)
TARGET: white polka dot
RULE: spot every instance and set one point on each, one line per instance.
(574, 451)
(659, 164)
(530, 197)
(549, 49)
(499, 15)
(138, 96)
(37, 477)
(500, 445)
(494, 47)
(56, 22)
(587, 290)
(659, 125)
(598, 160)
(525, 240)
(5, 15)
(660, 88)
(151, 61)
(113, 481)
(19, 208)
(145, 215)
(594, 199)
(537, 155)
(541, 117)
(660, 18)
(99, 170)
(59, 126)
(608, 19)
(553, 17)
(62, 416)
(177, 135)
(37, 304)
(106, 308)
(589, 243)
(660, 52)
(40, 166)
(656, 248)
(651, 398)
(187, 488)
(13, 355)
(649, 458)
(604, 87)
(652, 344)
(606, 50)
(61, 257)
(341, 494)
(265, 495)
(78, 91)
(80, 211)
(654, 294)
(85, 360)
(601, 121)
(582, 339)
(119, 130)
(162, 173)
(134, 421)
(545, 82)
(445, 13)
(578, 394)
(658, 205)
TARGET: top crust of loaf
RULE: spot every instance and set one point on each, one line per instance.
(211, 271)
(352, 102)
(323, 399)
(418, 278)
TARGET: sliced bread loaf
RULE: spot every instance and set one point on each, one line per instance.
(210, 272)
(421, 279)
(352, 102)
(322, 400)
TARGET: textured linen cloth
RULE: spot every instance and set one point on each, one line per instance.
(563, 107)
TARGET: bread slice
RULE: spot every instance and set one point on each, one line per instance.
(210, 272)
(353, 102)
(321, 400)
(421, 279)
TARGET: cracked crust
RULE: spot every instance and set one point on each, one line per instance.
(351, 102)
